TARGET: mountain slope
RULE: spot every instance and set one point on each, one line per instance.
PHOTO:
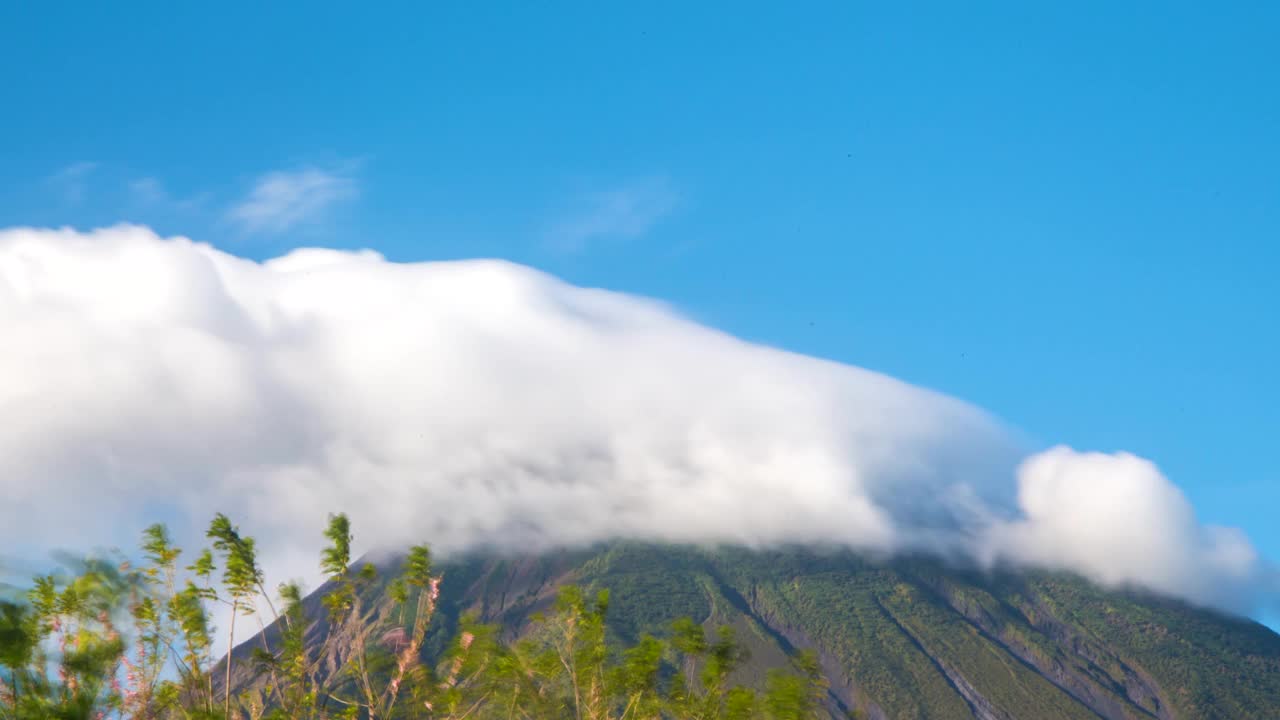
(909, 638)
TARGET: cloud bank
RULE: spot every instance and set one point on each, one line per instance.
(484, 403)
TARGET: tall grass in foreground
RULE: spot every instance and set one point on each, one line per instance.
(104, 638)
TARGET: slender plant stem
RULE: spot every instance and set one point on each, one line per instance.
(231, 644)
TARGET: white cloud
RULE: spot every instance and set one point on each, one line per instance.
(480, 402)
(625, 212)
(282, 200)
(1117, 519)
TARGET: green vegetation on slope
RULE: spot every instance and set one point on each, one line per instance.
(915, 638)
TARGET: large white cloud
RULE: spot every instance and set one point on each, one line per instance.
(481, 402)
(1117, 519)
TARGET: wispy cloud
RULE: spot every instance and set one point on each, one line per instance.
(71, 180)
(148, 191)
(152, 193)
(282, 200)
(625, 212)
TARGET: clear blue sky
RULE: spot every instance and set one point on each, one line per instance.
(1069, 215)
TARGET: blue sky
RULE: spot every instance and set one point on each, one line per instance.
(1069, 216)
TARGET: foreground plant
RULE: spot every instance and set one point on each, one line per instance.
(107, 639)
(566, 669)
(60, 651)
